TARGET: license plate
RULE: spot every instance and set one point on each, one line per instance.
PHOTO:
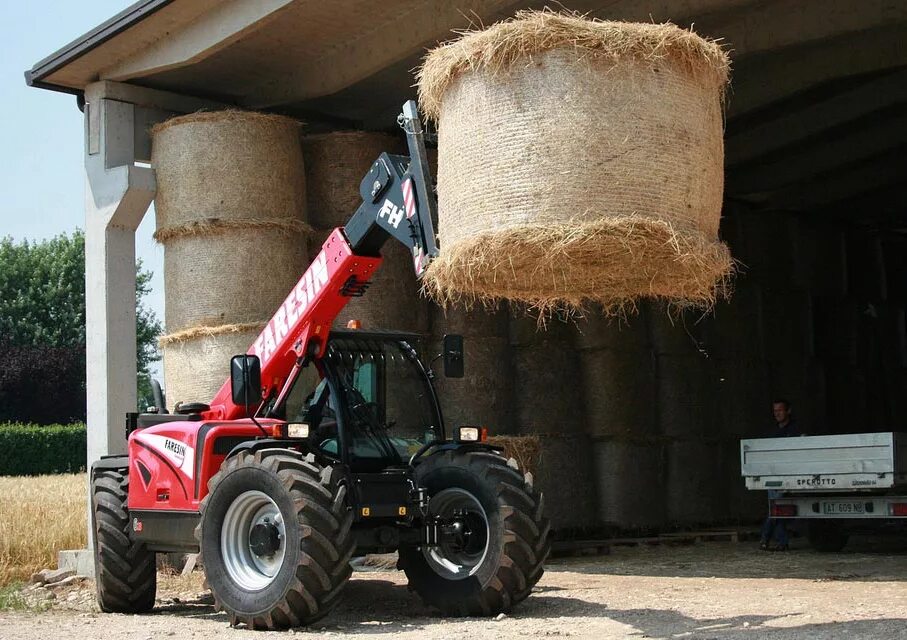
(843, 508)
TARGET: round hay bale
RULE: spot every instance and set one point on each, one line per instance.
(565, 478)
(538, 205)
(630, 485)
(335, 164)
(694, 491)
(197, 360)
(618, 392)
(227, 169)
(241, 275)
(480, 322)
(483, 396)
(526, 450)
(687, 397)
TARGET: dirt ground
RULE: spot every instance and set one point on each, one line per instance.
(709, 590)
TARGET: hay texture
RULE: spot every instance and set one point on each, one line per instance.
(197, 360)
(335, 164)
(629, 479)
(579, 161)
(227, 166)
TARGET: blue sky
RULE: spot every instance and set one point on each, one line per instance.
(41, 176)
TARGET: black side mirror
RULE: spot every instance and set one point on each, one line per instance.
(245, 380)
(453, 356)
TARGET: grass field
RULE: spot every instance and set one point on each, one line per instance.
(39, 516)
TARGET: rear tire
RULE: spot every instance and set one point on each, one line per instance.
(827, 536)
(125, 571)
(485, 581)
(293, 570)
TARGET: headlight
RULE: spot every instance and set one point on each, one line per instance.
(470, 434)
(297, 430)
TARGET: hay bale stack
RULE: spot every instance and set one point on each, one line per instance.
(526, 450)
(630, 484)
(694, 491)
(595, 172)
(483, 396)
(564, 475)
(335, 164)
(231, 189)
(687, 405)
(544, 366)
(619, 392)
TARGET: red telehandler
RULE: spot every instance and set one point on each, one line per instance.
(321, 445)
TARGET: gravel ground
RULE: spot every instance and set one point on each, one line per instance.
(710, 590)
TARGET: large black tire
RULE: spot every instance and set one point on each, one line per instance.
(125, 571)
(313, 566)
(517, 535)
(827, 536)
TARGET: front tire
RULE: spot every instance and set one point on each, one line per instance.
(125, 571)
(501, 555)
(275, 539)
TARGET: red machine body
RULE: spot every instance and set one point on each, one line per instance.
(173, 461)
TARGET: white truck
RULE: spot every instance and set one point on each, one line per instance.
(837, 484)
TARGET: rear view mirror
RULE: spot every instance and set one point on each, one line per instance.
(453, 356)
(245, 380)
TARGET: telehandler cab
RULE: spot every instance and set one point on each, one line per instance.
(321, 445)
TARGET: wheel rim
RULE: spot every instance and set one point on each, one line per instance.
(247, 563)
(458, 560)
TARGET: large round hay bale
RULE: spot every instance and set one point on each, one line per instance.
(694, 491)
(197, 361)
(565, 477)
(595, 171)
(629, 478)
(230, 169)
(546, 386)
(618, 392)
(335, 164)
(687, 401)
(595, 329)
(241, 275)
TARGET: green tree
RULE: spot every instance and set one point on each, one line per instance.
(42, 313)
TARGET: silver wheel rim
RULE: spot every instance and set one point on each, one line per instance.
(452, 561)
(248, 570)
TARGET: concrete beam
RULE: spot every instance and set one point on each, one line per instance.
(211, 32)
(764, 80)
(844, 183)
(832, 149)
(387, 42)
(756, 140)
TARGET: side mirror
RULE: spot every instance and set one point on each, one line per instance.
(245, 380)
(453, 356)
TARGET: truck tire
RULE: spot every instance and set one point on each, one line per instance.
(125, 571)
(274, 538)
(496, 565)
(826, 536)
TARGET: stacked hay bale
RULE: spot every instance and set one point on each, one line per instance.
(483, 396)
(617, 372)
(547, 404)
(594, 175)
(538, 206)
(231, 189)
(335, 164)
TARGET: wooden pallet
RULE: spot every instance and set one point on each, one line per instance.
(573, 548)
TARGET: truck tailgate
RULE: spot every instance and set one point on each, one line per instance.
(827, 463)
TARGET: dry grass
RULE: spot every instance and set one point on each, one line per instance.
(193, 333)
(514, 41)
(213, 226)
(612, 262)
(526, 450)
(40, 516)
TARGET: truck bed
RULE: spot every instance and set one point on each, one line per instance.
(862, 461)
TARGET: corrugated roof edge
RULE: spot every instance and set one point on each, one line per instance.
(108, 29)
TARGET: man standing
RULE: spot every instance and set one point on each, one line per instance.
(785, 427)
